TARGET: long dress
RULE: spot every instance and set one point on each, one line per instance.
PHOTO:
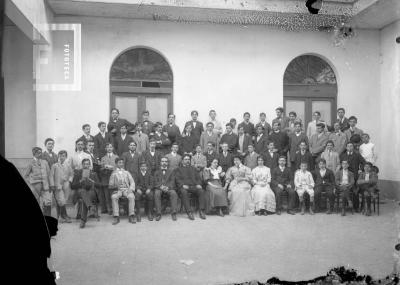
(263, 197)
(215, 193)
(239, 196)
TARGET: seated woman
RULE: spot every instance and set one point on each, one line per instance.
(237, 181)
(262, 195)
(216, 194)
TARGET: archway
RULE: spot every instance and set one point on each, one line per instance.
(141, 79)
(309, 85)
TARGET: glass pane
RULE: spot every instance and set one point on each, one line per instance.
(297, 106)
(158, 109)
(324, 107)
(127, 107)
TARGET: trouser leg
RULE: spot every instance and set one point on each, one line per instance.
(138, 198)
(115, 205)
(173, 198)
(200, 196)
(131, 199)
(107, 194)
(291, 198)
(278, 194)
(157, 201)
(317, 197)
(185, 200)
(84, 211)
(102, 198)
(150, 202)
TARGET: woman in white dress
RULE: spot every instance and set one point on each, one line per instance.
(237, 182)
(262, 195)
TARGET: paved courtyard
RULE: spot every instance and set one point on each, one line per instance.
(229, 249)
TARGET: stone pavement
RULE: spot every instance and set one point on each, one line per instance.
(229, 249)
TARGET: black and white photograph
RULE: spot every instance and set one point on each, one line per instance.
(200, 141)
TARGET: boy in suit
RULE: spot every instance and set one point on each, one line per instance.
(281, 180)
(171, 129)
(147, 125)
(141, 139)
(303, 155)
(230, 138)
(199, 160)
(367, 182)
(263, 122)
(164, 184)
(94, 158)
(131, 159)
(324, 182)
(122, 185)
(86, 135)
(144, 187)
(152, 157)
(342, 120)
(280, 139)
(49, 155)
(271, 156)
(281, 118)
(318, 141)
(352, 130)
(107, 166)
(101, 140)
(162, 141)
(187, 141)
(211, 153)
(295, 138)
(197, 126)
(37, 177)
(174, 159)
(244, 140)
(261, 141)
(122, 141)
(250, 160)
(248, 126)
(344, 184)
(225, 158)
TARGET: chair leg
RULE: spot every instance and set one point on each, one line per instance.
(378, 204)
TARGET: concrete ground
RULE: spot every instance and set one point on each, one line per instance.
(224, 250)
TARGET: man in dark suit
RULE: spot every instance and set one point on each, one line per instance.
(280, 139)
(244, 140)
(211, 153)
(282, 180)
(248, 126)
(163, 144)
(143, 189)
(164, 185)
(86, 135)
(229, 138)
(281, 118)
(147, 125)
(356, 165)
(115, 124)
(188, 180)
(264, 124)
(261, 141)
(122, 141)
(295, 138)
(171, 129)
(152, 157)
(101, 139)
(131, 159)
(197, 126)
(271, 156)
(324, 180)
(342, 120)
(225, 158)
(303, 155)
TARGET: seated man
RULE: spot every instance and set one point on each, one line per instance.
(188, 180)
(164, 185)
(324, 182)
(122, 184)
(84, 182)
(144, 187)
(304, 182)
(281, 180)
(367, 182)
(344, 184)
(303, 155)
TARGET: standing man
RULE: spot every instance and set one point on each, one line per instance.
(152, 157)
(331, 157)
(147, 125)
(244, 140)
(281, 180)
(303, 155)
(197, 126)
(162, 141)
(122, 141)
(312, 126)
(131, 159)
(280, 139)
(318, 141)
(230, 138)
(210, 135)
(324, 182)
(77, 157)
(353, 130)
(115, 124)
(281, 118)
(171, 129)
(217, 124)
(342, 120)
(271, 156)
(248, 126)
(295, 138)
(49, 155)
(188, 180)
(164, 186)
(141, 139)
(338, 138)
(263, 122)
(261, 141)
(86, 135)
(101, 140)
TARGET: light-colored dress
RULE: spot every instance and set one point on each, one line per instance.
(239, 196)
(215, 193)
(262, 195)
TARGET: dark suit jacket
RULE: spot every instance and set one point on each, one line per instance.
(307, 157)
(173, 132)
(196, 131)
(153, 162)
(284, 177)
(85, 140)
(281, 141)
(355, 160)
(232, 140)
(187, 175)
(167, 179)
(269, 161)
(246, 141)
(225, 162)
(248, 128)
(143, 182)
(121, 145)
(328, 179)
(343, 125)
(163, 143)
(294, 142)
(211, 157)
(267, 127)
(100, 143)
(131, 164)
(117, 126)
(260, 146)
(186, 144)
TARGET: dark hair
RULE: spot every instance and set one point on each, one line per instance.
(269, 142)
(298, 123)
(90, 141)
(212, 111)
(194, 112)
(152, 140)
(279, 109)
(210, 123)
(282, 156)
(61, 152)
(229, 125)
(79, 140)
(330, 141)
(341, 109)
(369, 163)
(123, 126)
(142, 163)
(303, 141)
(262, 114)
(260, 126)
(276, 122)
(174, 143)
(349, 142)
(133, 143)
(213, 144)
(322, 160)
(246, 113)
(260, 157)
(146, 112)
(107, 144)
(36, 149)
(293, 113)
(232, 120)
(101, 123)
(85, 125)
(197, 145)
(321, 125)
(171, 114)
(114, 109)
(250, 144)
(118, 159)
(353, 118)
(84, 160)
(238, 157)
(186, 155)
(317, 112)
(48, 140)
(157, 124)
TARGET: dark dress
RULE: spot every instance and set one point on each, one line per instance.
(215, 193)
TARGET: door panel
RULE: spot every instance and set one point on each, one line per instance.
(324, 107)
(296, 105)
(158, 108)
(128, 107)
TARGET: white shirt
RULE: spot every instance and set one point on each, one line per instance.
(322, 172)
(367, 151)
(345, 177)
(123, 136)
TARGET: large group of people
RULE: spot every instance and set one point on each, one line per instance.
(242, 170)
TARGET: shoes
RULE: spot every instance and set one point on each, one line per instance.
(82, 224)
(116, 220)
(132, 219)
(173, 215)
(278, 212)
(158, 217)
(221, 213)
(78, 216)
(190, 215)
(329, 211)
(104, 211)
(343, 212)
(201, 214)
(138, 218)
(150, 217)
(290, 212)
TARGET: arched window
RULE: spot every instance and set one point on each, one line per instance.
(309, 85)
(141, 79)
